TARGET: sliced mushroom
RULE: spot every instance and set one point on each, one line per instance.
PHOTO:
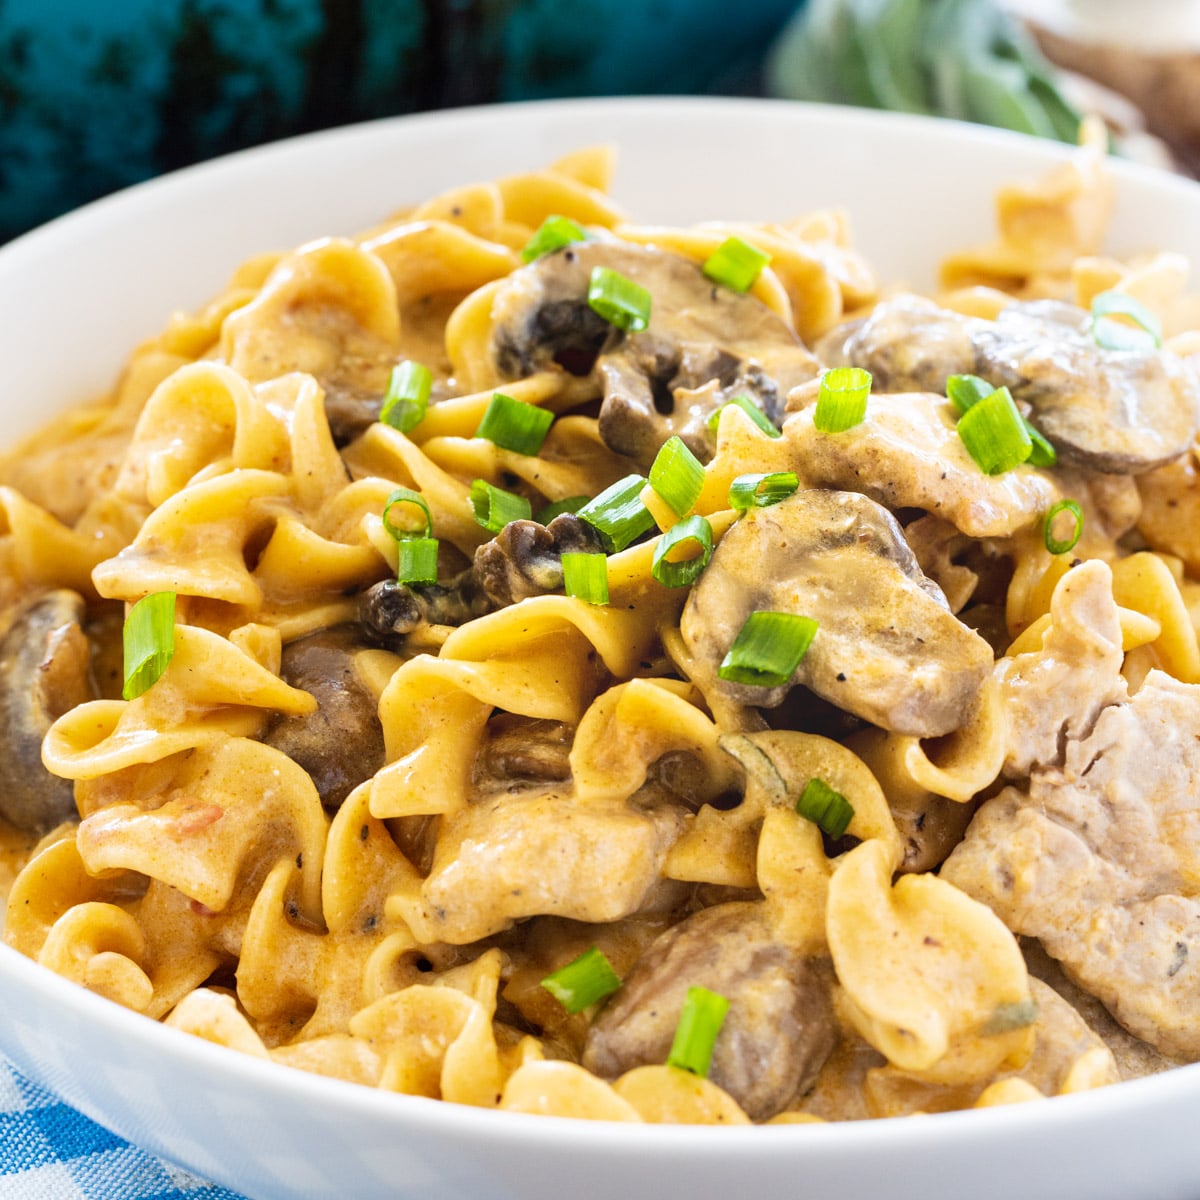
(523, 750)
(779, 1027)
(887, 647)
(388, 611)
(44, 661)
(705, 344)
(1120, 412)
(340, 744)
(525, 558)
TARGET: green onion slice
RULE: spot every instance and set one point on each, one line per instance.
(677, 475)
(571, 504)
(554, 233)
(994, 433)
(967, 390)
(418, 560)
(1043, 453)
(842, 401)
(1062, 545)
(826, 807)
(416, 500)
(583, 981)
(619, 300)
(407, 397)
(618, 513)
(494, 507)
(1116, 335)
(514, 425)
(768, 649)
(756, 414)
(585, 576)
(762, 490)
(696, 1034)
(685, 572)
(149, 642)
(735, 264)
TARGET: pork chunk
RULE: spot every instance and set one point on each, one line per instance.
(907, 453)
(1058, 692)
(1100, 860)
(525, 853)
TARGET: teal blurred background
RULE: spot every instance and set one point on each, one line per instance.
(98, 94)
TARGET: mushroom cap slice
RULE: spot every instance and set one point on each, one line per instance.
(779, 1028)
(704, 345)
(1122, 412)
(340, 743)
(44, 671)
(887, 648)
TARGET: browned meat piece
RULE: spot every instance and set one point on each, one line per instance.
(340, 744)
(528, 852)
(525, 558)
(779, 1028)
(1116, 411)
(44, 672)
(907, 454)
(1099, 860)
(887, 648)
(705, 344)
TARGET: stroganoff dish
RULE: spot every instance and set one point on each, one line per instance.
(529, 659)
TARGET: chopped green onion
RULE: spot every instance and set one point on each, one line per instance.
(768, 649)
(823, 806)
(547, 513)
(417, 550)
(1043, 453)
(620, 301)
(618, 513)
(585, 576)
(513, 425)
(685, 572)
(583, 981)
(994, 433)
(407, 398)
(842, 402)
(696, 1034)
(407, 496)
(677, 475)
(1006, 1017)
(149, 642)
(966, 390)
(1061, 545)
(418, 560)
(762, 490)
(735, 264)
(1115, 335)
(751, 410)
(494, 507)
(553, 234)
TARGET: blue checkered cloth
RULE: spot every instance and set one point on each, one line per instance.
(48, 1151)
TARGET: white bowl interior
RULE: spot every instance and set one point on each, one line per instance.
(78, 294)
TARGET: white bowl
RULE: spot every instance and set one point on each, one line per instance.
(78, 294)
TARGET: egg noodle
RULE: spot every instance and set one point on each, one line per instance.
(521, 778)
